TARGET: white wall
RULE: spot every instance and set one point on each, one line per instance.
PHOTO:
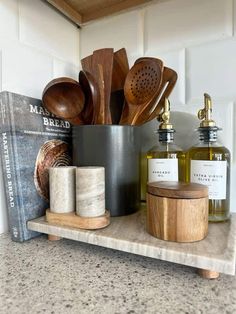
(194, 37)
(36, 45)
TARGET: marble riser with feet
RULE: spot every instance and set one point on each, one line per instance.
(216, 253)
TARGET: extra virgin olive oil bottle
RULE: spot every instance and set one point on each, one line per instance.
(208, 163)
(165, 161)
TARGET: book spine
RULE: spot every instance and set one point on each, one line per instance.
(9, 172)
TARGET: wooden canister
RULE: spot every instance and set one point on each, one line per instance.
(177, 211)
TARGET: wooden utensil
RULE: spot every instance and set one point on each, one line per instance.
(120, 70)
(87, 64)
(90, 89)
(141, 86)
(102, 69)
(64, 98)
(169, 79)
(159, 61)
(116, 105)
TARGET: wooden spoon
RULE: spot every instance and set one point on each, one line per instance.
(169, 79)
(64, 98)
(141, 86)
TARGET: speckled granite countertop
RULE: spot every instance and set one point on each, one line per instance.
(40, 276)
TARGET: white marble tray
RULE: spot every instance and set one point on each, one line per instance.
(217, 252)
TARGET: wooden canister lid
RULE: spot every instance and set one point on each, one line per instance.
(174, 189)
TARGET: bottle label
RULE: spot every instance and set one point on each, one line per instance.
(163, 169)
(211, 173)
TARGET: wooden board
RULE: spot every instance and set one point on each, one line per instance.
(83, 11)
(128, 233)
(75, 221)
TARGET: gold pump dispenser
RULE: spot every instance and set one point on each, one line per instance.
(165, 130)
(164, 117)
(206, 113)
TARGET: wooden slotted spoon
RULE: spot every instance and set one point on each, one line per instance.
(151, 111)
(141, 86)
(159, 61)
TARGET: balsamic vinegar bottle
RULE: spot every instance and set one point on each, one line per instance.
(166, 161)
(208, 163)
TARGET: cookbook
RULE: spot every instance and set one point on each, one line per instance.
(32, 140)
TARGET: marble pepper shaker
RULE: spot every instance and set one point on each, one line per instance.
(90, 191)
(62, 189)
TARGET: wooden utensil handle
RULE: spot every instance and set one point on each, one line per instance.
(100, 114)
(168, 83)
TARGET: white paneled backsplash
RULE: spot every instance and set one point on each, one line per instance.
(45, 29)
(36, 45)
(196, 38)
(181, 23)
(211, 67)
(176, 60)
(63, 68)
(25, 70)
(123, 30)
(9, 19)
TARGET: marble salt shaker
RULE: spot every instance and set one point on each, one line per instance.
(62, 189)
(90, 191)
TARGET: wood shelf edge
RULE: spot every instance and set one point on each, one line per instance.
(67, 10)
(105, 9)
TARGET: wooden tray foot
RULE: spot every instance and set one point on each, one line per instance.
(208, 274)
(52, 237)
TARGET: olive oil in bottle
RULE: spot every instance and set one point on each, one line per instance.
(165, 161)
(208, 163)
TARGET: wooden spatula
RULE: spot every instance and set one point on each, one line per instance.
(120, 70)
(119, 73)
(87, 64)
(102, 65)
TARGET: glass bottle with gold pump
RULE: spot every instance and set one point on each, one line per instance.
(208, 163)
(166, 159)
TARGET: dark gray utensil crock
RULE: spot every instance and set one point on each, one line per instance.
(117, 148)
